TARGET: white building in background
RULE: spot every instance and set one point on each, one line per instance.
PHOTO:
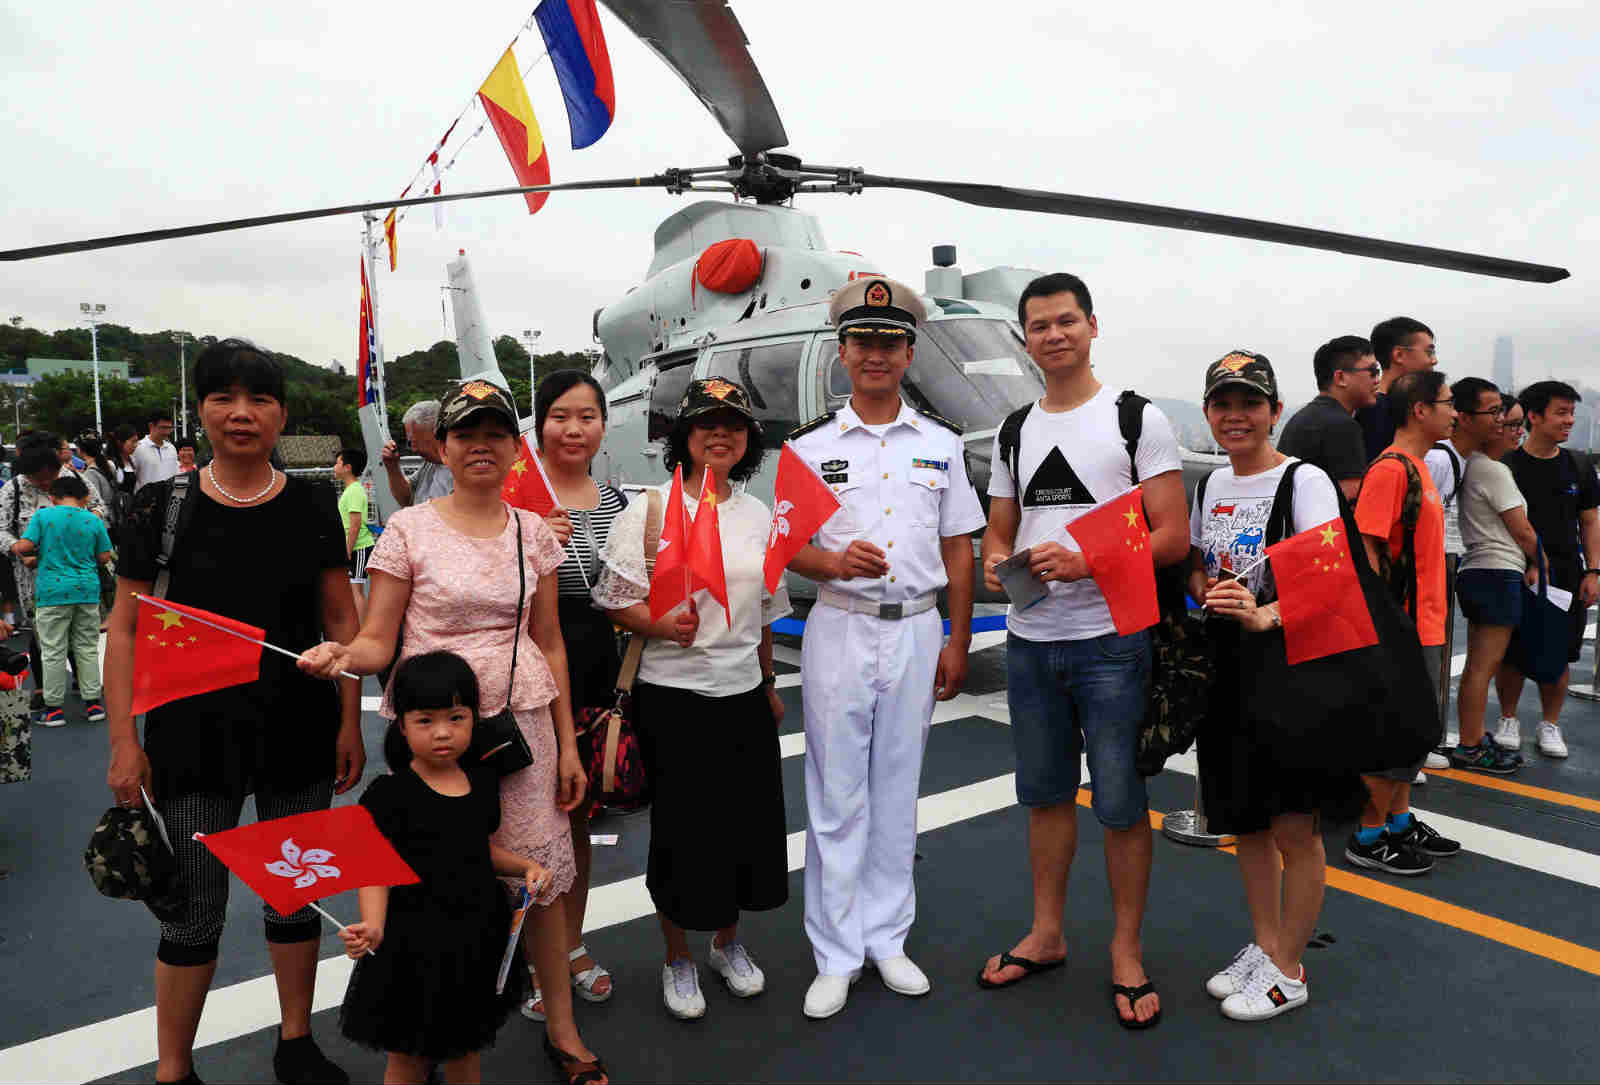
(1504, 365)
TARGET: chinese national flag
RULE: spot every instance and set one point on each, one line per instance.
(177, 654)
(705, 546)
(801, 503)
(1320, 600)
(1116, 543)
(293, 861)
(527, 486)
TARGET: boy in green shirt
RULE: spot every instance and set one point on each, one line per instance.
(348, 467)
(69, 540)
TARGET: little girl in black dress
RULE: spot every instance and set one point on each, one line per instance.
(426, 990)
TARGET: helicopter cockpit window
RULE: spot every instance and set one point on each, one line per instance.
(973, 372)
(666, 391)
(770, 374)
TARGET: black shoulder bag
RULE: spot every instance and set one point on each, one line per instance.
(497, 741)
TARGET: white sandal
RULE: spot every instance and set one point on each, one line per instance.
(529, 1008)
(584, 982)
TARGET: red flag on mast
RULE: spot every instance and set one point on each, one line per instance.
(1116, 543)
(293, 861)
(1320, 600)
(801, 504)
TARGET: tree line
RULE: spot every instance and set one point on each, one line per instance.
(321, 401)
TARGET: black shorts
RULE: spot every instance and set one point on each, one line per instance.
(358, 564)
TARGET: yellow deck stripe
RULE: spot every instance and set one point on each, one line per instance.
(1500, 783)
(1514, 935)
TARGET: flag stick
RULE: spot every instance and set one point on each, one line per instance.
(323, 912)
(538, 463)
(272, 647)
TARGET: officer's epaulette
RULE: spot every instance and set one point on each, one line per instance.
(816, 423)
(953, 427)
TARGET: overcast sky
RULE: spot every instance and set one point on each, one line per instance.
(1461, 126)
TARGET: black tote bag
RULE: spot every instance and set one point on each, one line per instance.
(1365, 710)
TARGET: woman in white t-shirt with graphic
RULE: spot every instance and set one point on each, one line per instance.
(1272, 809)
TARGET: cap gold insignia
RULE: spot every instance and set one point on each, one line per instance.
(878, 294)
(1234, 362)
(718, 389)
(478, 389)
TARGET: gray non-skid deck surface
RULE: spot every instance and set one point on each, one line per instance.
(1394, 995)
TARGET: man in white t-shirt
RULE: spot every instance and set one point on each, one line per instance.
(1477, 403)
(154, 457)
(1073, 684)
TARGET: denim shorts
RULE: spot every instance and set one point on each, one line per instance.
(1072, 696)
(1490, 596)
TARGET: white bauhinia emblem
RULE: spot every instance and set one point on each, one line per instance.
(780, 522)
(662, 545)
(305, 867)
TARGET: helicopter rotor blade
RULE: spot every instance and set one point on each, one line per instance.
(1147, 214)
(660, 180)
(702, 41)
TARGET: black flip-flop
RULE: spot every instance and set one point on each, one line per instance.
(1133, 995)
(1029, 970)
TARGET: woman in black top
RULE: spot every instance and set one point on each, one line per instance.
(290, 739)
(570, 422)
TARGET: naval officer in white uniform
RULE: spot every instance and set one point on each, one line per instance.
(875, 655)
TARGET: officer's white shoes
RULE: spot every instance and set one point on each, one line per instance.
(1507, 733)
(1551, 744)
(732, 962)
(902, 976)
(827, 994)
(680, 990)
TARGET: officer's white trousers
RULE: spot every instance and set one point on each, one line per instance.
(868, 697)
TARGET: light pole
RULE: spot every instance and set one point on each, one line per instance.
(183, 387)
(91, 316)
(530, 339)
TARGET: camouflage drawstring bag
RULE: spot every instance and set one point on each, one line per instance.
(16, 737)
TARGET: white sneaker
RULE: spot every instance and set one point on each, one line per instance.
(1551, 743)
(1508, 733)
(827, 994)
(1232, 980)
(1451, 740)
(1422, 778)
(1268, 993)
(902, 976)
(532, 1009)
(1436, 761)
(680, 990)
(732, 962)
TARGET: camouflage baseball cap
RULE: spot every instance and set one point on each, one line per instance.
(127, 860)
(705, 397)
(1244, 368)
(469, 397)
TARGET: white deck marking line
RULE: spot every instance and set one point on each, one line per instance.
(118, 1044)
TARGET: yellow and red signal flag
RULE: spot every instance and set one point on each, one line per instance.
(505, 100)
(1320, 600)
(388, 233)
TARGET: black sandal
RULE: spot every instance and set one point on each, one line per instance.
(574, 1069)
(1133, 995)
(1029, 970)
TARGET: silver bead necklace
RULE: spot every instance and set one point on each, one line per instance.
(272, 476)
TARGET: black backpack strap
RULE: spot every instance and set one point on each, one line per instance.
(180, 510)
(1410, 514)
(1457, 470)
(1011, 442)
(1200, 492)
(1130, 422)
(1280, 524)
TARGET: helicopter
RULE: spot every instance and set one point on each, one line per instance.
(770, 333)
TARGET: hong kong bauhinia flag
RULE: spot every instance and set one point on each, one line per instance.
(801, 503)
(527, 486)
(181, 651)
(670, 579)
(1116, 543)
(293, 861)
(1320, 600)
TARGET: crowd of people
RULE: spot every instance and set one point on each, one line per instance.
(487, 619)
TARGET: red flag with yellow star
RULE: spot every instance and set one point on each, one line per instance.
(526, 485)
(1319, 594)
(182, 651)
(705, 546)
(1116, 543)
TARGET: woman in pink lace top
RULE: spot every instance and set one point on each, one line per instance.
(446, 570)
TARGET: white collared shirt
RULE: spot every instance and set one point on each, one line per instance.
(153, 462)
(902, 486)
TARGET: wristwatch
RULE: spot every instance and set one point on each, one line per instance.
(1591, 572)
(769, 680)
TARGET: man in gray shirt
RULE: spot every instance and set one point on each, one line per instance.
(434, 478)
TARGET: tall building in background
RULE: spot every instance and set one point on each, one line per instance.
(1504, 369)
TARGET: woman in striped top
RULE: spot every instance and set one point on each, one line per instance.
(570, 422)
